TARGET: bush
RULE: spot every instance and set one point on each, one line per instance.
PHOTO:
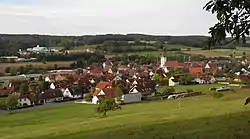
(218, 95)
(88, 97)
(190, 90)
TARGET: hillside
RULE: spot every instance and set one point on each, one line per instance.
(202, 117)
(9, 44)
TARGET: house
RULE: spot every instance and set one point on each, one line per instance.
(103, 93)
(195, 70)
(4, 92)
(52, 86)
(204, 79)
(211, 67)
(143, 87)
(51, 95)
(117, 78)
(72, 92)
(174, 80)
(103, 85)
(25, 100)
(173, 65)
(242, 79)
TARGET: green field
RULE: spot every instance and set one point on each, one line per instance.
(183, 88)
(201, 117)
(220, 52)
(85, 47)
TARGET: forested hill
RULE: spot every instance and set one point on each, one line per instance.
(14, 42)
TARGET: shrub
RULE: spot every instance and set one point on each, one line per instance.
(88, 97)
(218, 95)
(190, 90)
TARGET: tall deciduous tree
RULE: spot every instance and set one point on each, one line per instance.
(24, 88)
(233, 18)
(106, 105)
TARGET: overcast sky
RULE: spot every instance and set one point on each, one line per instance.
(82, 17)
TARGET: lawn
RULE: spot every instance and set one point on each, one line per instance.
(201, 117)
(183, 88)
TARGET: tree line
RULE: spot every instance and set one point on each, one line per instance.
(10, 44)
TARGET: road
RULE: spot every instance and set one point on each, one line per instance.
(39, 107)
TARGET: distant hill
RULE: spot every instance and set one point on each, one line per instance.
(9, 44)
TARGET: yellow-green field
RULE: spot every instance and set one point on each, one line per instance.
(220, 52)
(202, 117)
(35, 64)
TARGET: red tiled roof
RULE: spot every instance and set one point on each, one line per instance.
(96, 71)
(244, 78)
(174, 64)
(213, 67)
(52, 93)
(109, 92)
(102, 85)
(195, 70)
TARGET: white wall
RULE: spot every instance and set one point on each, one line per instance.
(133, 97)
(24, 101)
(171, 83)
(47, 79)
(52, 86)
(95, 100)
(67, 93)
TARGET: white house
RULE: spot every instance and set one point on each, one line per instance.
(24, 99)
(117, 78)
(135, 82)
(52, 86)
(69, 93)
(133, 90)
(97, 95)
(24, 102)
(172, 81)
(51, 95)
(47, 79)
(110, 71)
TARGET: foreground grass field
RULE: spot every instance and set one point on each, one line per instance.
(198, 117)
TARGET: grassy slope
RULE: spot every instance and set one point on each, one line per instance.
(198, 117)
(183, 88)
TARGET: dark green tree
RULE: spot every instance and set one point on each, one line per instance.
(233, 18)
(168, 90)
(24, 88)
(7, 70)
(11, 103)
(106, 105)
(118, 93)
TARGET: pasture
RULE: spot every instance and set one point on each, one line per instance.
(202, 117)
(220, 52)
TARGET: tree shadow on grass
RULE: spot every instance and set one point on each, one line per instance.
(229, 126)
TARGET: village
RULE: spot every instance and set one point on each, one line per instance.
(126, 83)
